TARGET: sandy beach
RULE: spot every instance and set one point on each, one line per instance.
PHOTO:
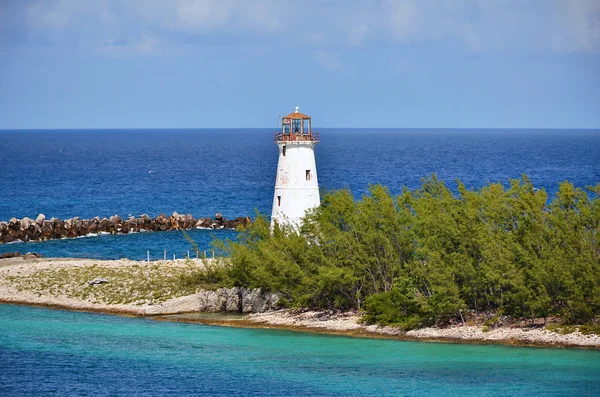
(158, 289)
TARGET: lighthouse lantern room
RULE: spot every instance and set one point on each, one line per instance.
(296, 185)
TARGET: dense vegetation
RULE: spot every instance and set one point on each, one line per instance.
(428, 256)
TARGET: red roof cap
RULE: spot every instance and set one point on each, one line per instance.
(296, 115)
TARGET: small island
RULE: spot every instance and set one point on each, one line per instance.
(498, 265)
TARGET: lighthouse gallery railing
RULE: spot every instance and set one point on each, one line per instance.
(281, 137)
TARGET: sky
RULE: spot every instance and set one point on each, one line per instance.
(346, 63)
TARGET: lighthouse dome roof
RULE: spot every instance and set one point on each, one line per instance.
(296, 115)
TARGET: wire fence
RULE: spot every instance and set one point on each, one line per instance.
(191, 254)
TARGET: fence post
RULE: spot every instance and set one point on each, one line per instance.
(148, 256)
(173, 256)
(188, 254)
(165, 255)
(213, 254)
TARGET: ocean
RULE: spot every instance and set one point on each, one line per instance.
(87, 173)
(51, 352)
(65, 173)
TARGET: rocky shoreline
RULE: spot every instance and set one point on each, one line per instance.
(41, 229)
(158, 289)
(350, 324)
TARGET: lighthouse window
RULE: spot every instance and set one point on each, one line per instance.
(308, 175)
(283, 151)
(279, 201)
(297, 126)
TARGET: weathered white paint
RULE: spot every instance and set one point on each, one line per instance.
(294, 194)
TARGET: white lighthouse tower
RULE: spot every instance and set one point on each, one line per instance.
(296, 186)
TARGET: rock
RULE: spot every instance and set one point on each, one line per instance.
(103, 225)
(125, 227)
(234, 299)
(7, 255)
(47, 229)
(255, 301)
(27, 229)
(30, 255)
(173, 221)
(204, 223)
(93, 226)
(40, 219)
(219, 221)
(98, 280)
(221, 300)
(25, 223)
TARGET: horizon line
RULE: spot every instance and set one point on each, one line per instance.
(316, 128)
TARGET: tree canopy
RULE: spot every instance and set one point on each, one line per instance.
(427, 255)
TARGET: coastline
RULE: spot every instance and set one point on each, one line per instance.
(184, 308)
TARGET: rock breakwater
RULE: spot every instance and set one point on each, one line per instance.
(41, 229)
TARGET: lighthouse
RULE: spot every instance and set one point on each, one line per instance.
(296, 185)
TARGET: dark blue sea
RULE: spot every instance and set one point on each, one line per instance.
(66, 173)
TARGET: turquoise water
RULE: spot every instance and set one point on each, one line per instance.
(55, 352)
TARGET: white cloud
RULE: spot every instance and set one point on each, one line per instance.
(579, 22)
(265, 16)
(205, 15)
(492, 26)
(316, 37)
(471, 38)
(328, 60)
(145, 45)
(358, 34)
(58, 14)
(476, 26)
(403, 18)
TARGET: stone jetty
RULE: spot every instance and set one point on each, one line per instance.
(41, 229)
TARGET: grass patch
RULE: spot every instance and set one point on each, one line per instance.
(586, 329)
(134, 284)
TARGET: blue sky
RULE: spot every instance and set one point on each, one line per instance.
(240, 63)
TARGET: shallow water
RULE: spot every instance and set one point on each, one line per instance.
(57, 352)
